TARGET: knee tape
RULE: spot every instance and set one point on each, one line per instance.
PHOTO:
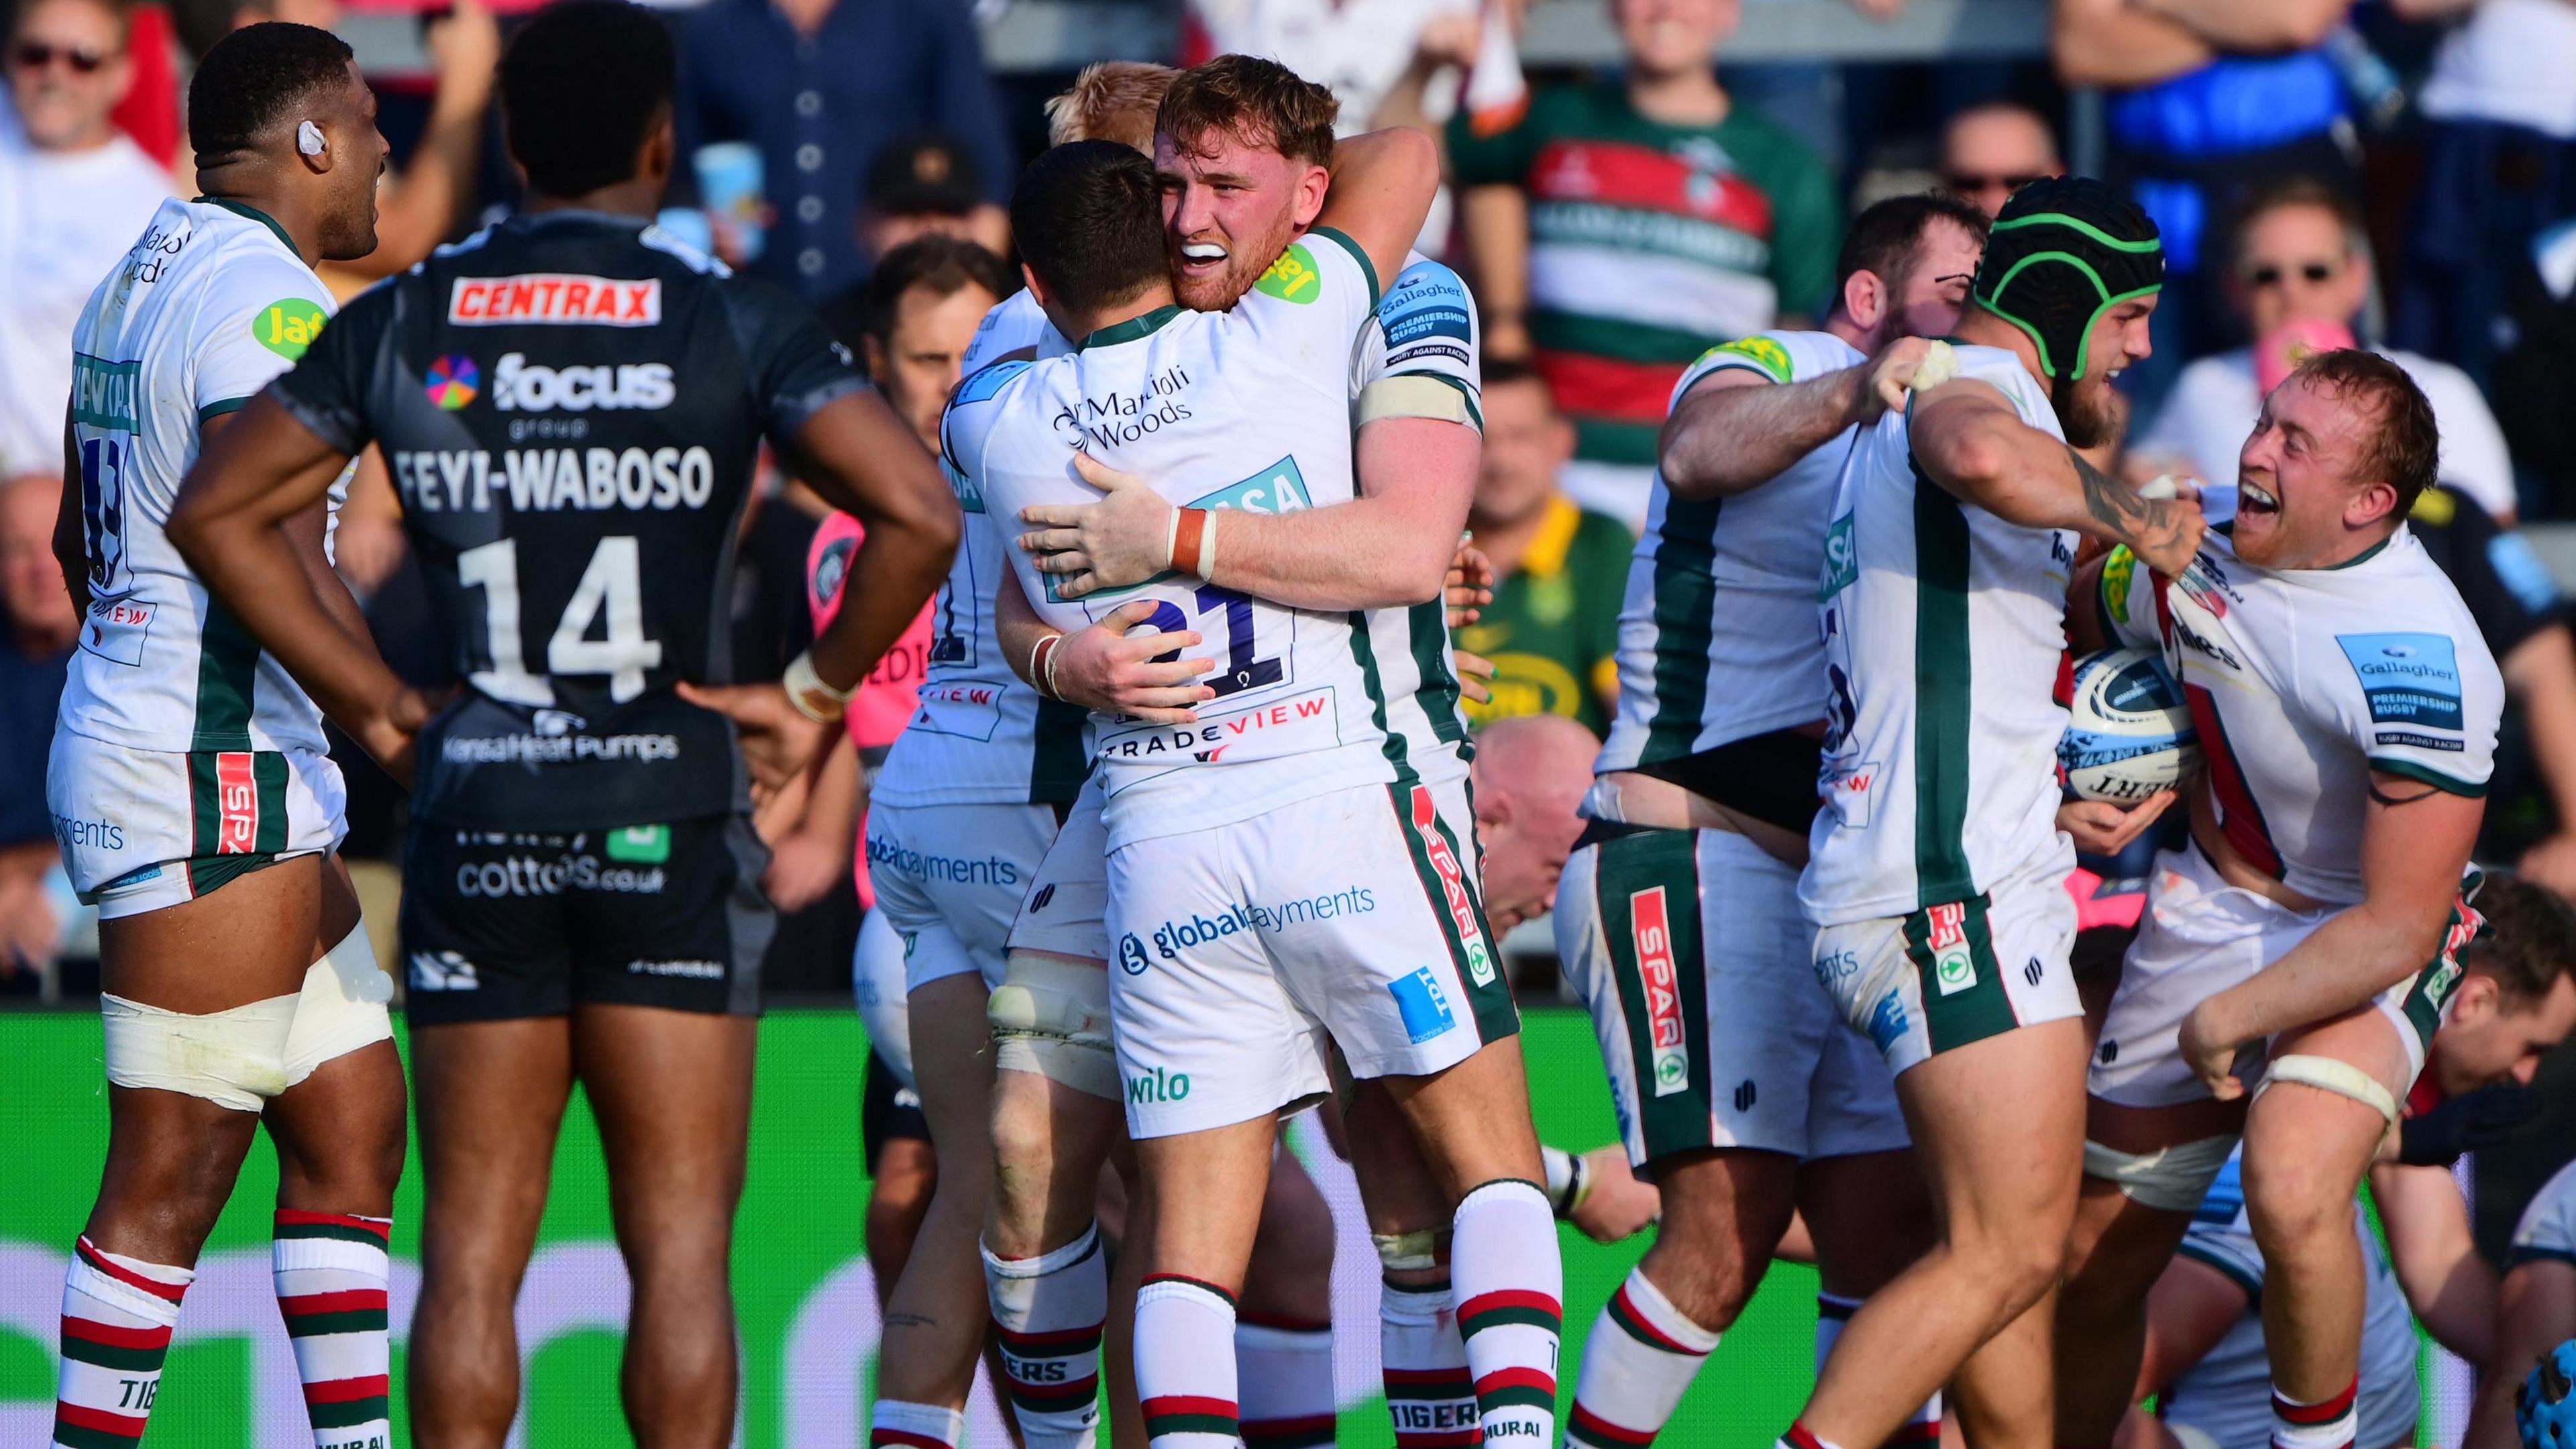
(233, 1058)
(2170, 1179)
(2326, 1074)
(1051, 1016)
(341, 1008)
(1414, 1252)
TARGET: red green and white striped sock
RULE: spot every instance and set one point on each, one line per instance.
(1429, 1392)
(1285, 1369)
(2330, 1425)
(1638, 1362)
(1048, 1312)
(332, 1272)
(117, 1316)
(1800, 1437)
(894, 1424)
(1833, 1311)
(1510, 1306)
(1185, 1364)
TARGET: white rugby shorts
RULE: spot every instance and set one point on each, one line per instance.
(1936, 979)
(949, 879)
(2200, 936)
(1067, 907)
(1244, 952)
(145, 829)
(1690, 950)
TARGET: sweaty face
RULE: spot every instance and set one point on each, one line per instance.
(1229, 209)
(1672, 37)
(2297, 478)
(2090, 410)
(918, 365)
(2297, 263)
(2494, 1037)
(359, 157)
(67, 69)
(1526, 442)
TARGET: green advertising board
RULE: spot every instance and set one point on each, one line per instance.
(808, 1310)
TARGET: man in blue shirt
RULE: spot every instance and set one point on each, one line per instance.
(820, 87)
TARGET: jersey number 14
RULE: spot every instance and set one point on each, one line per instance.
(613, 583)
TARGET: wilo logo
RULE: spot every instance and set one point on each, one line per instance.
(1158, 1085)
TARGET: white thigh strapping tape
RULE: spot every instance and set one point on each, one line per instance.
(234, 1058)
(341, 1008)
(2329, 1075)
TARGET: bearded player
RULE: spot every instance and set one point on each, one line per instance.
(191, 787)
(1320, 764)
(1935, 873)
(2348, 708)
(1741, 1096)
(1250, 178)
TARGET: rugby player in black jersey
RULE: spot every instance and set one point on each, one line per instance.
(572, 404)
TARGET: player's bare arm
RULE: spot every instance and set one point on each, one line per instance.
(2535, 1312)
(1383, 184)
(2450, 1288)
(1971, 442)
(1392, 546)
(71, 551)
(2415, 841)
(1737, 429)
(866, 462)
(2191, 1308)
(235, 522)
(1103, 667)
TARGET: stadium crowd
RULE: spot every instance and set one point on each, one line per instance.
(2324, 178)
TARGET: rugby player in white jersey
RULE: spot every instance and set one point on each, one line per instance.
(1251, 180)
(1315, 794)
(2347, 708)
(1740, 1094)
(1936, 870)
(191, 787)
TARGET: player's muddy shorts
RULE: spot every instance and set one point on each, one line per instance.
(949, 879)
(1351, 918)
(1938, 979)
(2201, 936)
(497, 927)
(1690, 949)
(144, 829)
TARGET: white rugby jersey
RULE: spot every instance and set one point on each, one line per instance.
(981, 736)
(210, 305)
(2547, 1231)
(1717, 636)
(1943, 626)
(2302, 680)
(1247, 409)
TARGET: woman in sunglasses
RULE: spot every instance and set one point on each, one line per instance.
(74, 193)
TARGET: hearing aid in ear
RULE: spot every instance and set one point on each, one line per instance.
(308, 139)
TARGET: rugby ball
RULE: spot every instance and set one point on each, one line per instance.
(2128, 731)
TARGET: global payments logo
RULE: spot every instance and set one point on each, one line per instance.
(1131, 955)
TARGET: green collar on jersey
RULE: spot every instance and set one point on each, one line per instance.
(1131, 329)
(2367, 554)
(255, 214)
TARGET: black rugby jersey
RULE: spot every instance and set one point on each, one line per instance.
(572, 404)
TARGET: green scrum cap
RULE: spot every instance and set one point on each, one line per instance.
(2065, 251)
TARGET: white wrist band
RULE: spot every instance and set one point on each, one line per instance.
(813, 698)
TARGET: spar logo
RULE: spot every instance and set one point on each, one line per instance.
(1453, 886)
(555, 299)
(236, 804)
(1650, 930)
(1953, 965)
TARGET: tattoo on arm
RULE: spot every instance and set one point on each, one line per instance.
(2117, 506)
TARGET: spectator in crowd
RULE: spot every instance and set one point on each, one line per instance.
(2211, 98)
(925, 186)
(2499, 164)
(42, 629)
(2299, 256)
(417, 207)
(1626, 224)
(1530, 776)
(1988, 152)
(819, 87)
(74, 195)
(1560, 570)
(2535, 372)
